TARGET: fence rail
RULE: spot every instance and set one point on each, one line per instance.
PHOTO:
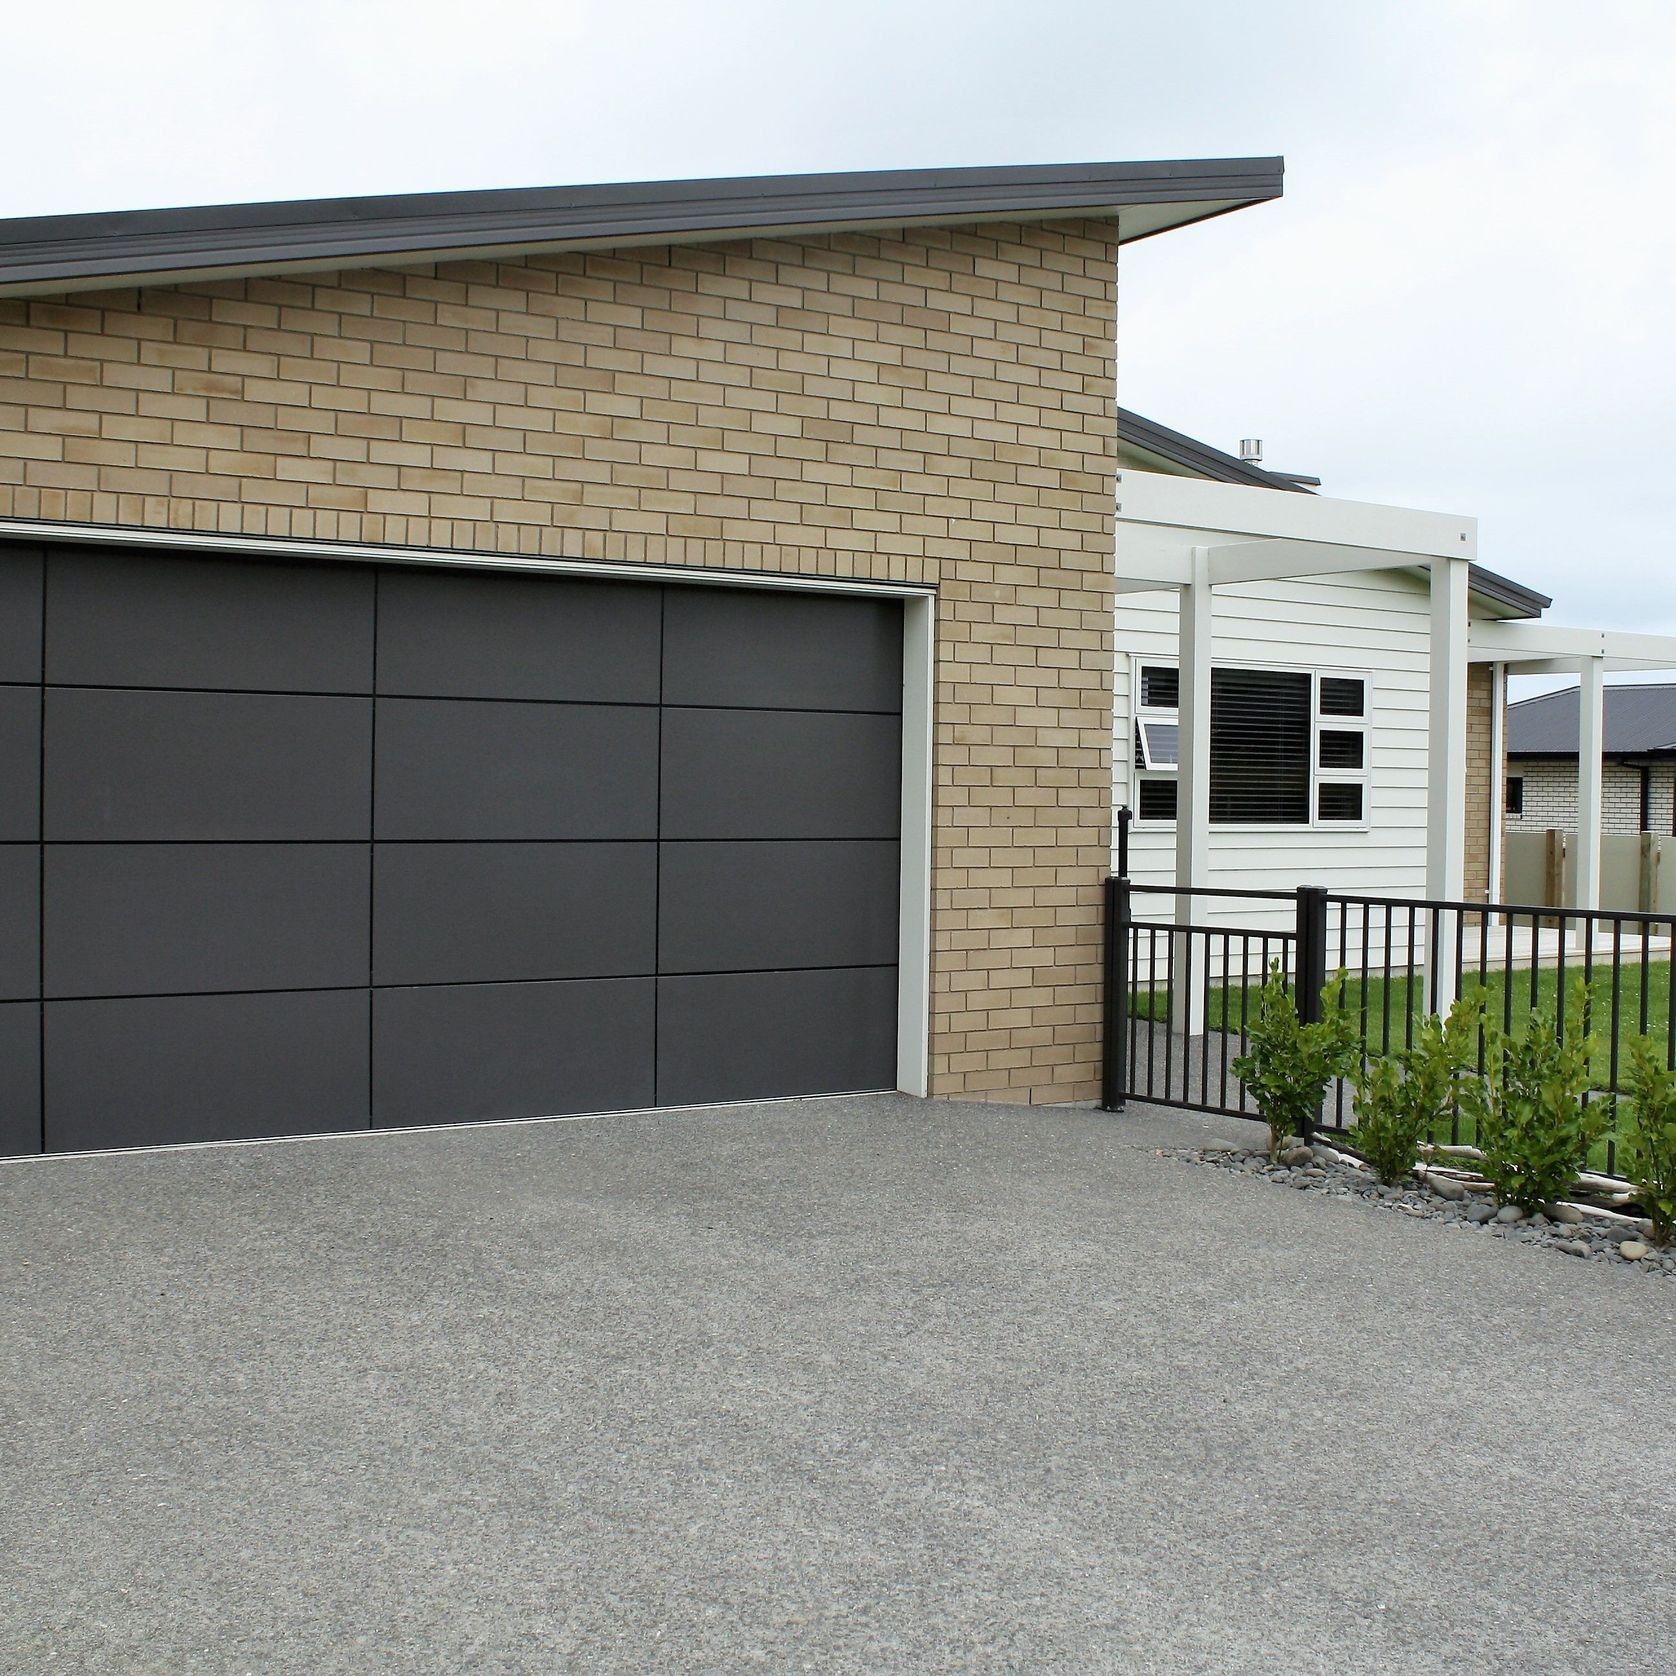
(1184, 965)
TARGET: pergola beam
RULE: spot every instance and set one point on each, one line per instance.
(1209, 510)
(1280, 560)
(1542, 642)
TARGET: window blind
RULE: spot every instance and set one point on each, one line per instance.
(1259, 747)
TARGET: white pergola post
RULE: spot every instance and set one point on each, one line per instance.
(1591, 732)
(1192, 775)
(1446, 765)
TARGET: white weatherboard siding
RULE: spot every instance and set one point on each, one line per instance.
(1375, 624)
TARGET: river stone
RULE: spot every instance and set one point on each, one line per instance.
(1510, 1213)
(1566, 1213)
(1445, 1188)
(1572, 1248)
(1633, 1250)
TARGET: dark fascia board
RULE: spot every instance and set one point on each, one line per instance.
(1206, 461)
(77, 252)
(1503, 590)
(1662, 753)
(1195, 456)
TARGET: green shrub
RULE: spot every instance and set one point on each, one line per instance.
(1404, 1098)
(1536, 1128)
(1647, 1135)
(1291, 1063)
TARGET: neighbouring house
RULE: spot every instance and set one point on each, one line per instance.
(1319, 713)
(1638, 753)
(499, 654)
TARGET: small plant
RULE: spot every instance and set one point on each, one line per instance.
(1647, 1136)
(1405, 1098)
(1538, 1125)
(1290, 1062)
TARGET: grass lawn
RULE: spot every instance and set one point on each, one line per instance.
(1381, 1007)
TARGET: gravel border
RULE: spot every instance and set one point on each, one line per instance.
(1573, 1231)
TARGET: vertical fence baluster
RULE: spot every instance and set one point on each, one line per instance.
(1204, 1019)
(1367, 912)
(1559, 975)
(1617, 995)
(1385, 987)
(1646, 972)
(1222, 1087)
(1169, 1012)
(1152, 1007)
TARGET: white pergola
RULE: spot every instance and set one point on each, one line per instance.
(1544, 649)
(1193, 536)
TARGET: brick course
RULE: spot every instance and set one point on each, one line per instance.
(935, 405)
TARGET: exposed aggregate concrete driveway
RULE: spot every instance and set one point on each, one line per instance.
(850, 1385)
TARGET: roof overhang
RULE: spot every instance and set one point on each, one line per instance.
(53, 254)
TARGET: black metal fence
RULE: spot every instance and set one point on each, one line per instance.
(1184, 967)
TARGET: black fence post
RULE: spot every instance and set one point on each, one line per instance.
(1312, 951)
(1312, 960)
(1114, 1060)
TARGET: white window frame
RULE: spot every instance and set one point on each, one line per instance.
(1322, 775)
(1318, 776)
(1143, 713)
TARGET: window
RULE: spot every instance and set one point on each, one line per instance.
(1157, 800)
(1157, 742)
(1341, 695)
(1341, 750)
(1515, 794)
(1287, 747)
(1259, 747)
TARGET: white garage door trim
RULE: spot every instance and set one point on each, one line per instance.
(919, 649)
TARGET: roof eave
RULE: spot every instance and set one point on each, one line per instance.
(1500, 590)
(80, 252)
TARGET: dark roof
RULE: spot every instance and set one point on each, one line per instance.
(1640, 721)
(1196, 456)
(71, 252)
(1206, 461)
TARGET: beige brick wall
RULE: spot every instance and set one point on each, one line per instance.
(931, 406)
(1480, 778)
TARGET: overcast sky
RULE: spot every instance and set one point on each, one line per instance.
(1464, 301)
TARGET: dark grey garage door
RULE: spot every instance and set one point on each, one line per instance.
(292, 847)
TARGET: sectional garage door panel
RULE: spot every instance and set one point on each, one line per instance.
(744, 647)
(469, 635)
(453, 769)
(20, 764)
(139, 1071)
(480, 1051)
(146, 620)
(781, 774)
(173, 767)
(20, 922)
(761, 1035)
(329, 846)
(21, 578)
(496, 913)
(168, 919)
(762, 906)
(20, 1078)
